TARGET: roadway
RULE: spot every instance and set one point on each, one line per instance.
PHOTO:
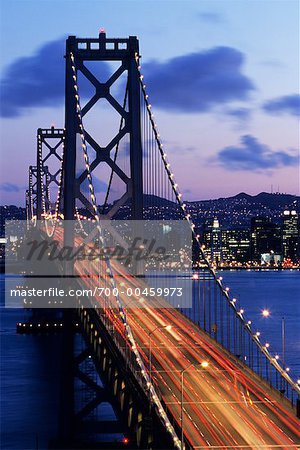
(226, 406)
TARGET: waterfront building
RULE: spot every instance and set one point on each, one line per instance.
(212, 238)
(270, 259)
(265, 237)
(236, 245)
(290, 235)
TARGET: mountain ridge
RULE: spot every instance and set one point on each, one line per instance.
(262, 196)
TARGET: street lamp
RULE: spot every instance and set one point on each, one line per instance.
(266, 313)
(159, 327)
(204, 364)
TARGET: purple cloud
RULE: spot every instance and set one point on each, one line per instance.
(289, 104)
(241, 114)
(11, 187)
(38, 81)
(211, 17)
(252, 155)
(198, 81)
(99, 186)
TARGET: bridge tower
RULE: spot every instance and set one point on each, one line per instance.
(37, 179)
(78, 52)
(50, 142)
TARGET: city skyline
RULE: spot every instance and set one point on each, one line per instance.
(235, 72)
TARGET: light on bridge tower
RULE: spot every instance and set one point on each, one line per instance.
(27, 203)
(36, 185)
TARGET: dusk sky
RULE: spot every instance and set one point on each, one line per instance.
(222, 78)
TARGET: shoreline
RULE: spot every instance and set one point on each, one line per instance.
(256, 269)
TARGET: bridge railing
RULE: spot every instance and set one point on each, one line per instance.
(223, 321)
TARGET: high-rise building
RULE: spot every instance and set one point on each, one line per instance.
(265, 237)
(236, 245)
(212, 238)
(290, 235)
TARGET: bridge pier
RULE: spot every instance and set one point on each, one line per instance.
(136, 420)
(131, 403)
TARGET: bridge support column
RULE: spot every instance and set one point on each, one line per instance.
(131, 405)
(298, 408)
(66, 412)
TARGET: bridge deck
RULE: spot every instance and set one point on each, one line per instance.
(226, 405)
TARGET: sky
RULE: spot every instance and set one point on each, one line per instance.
(222, 77)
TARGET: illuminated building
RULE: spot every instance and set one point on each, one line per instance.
(236, 245)
(270, 259)
(212, 238)
(265, 237)
(290, 234)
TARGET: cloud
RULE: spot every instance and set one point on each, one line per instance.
(174, 147)
(242, 114)
(10, 187)
(273, 63)
(99, 186)
(211, 17)
(289, 104)
(192, 83)
(252, 155)
(197, 82)
(37, 81)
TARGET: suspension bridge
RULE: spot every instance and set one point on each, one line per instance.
(180, 377)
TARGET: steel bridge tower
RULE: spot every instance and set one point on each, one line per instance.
(49, 145)
(37, 182)
(78, 52)
(125, 51)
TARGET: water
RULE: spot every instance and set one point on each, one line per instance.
(30, 364)
(29, 375)
(279, 292)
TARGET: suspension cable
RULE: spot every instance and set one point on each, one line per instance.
(218, 280)
(122, 311)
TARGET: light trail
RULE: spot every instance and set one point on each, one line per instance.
(226, 405)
